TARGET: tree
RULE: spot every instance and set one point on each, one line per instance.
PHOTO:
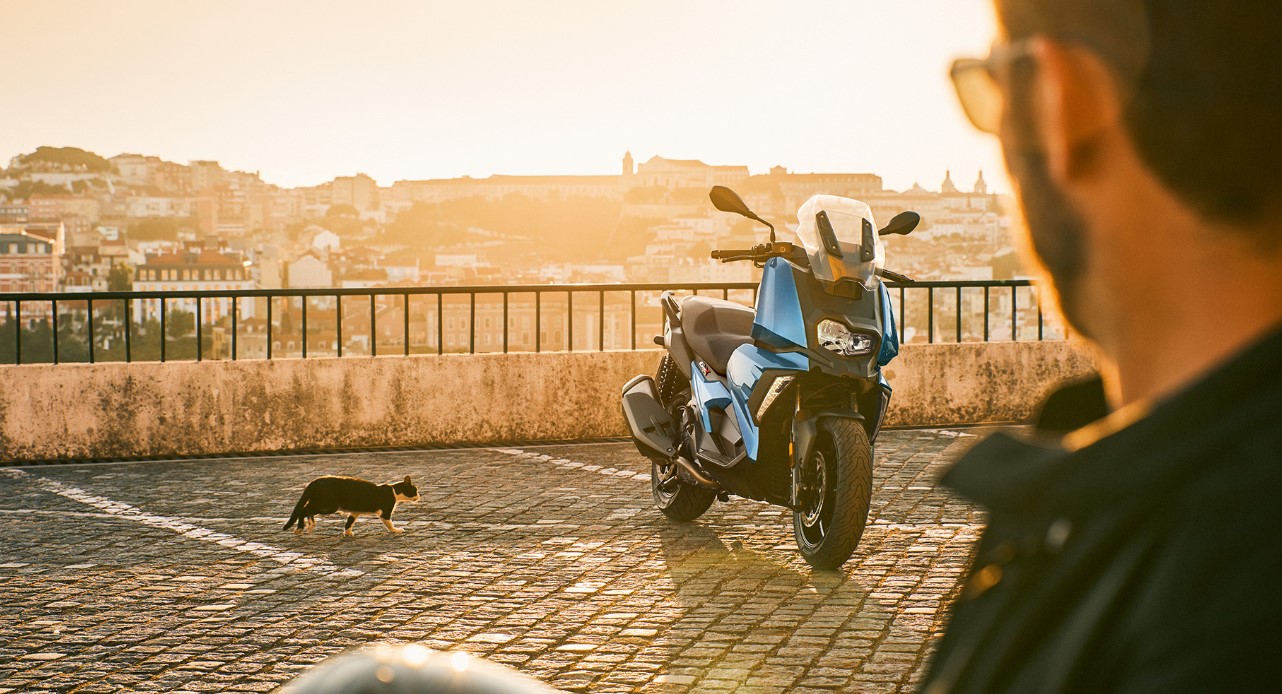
(71, 157)
(159, 228)
(120, 278)
(180, 323)
(25, 189)
(342, 211)
(286, 322)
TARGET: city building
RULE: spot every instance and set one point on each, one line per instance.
(29, 262)
(309, 270)
(195, 268)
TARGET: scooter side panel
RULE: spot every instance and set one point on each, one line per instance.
(745, 369)
(889, 332)
(710, 394)
(779, 321)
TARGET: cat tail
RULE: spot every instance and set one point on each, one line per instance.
(297, 516)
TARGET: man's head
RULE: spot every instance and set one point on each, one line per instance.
(1111, 102)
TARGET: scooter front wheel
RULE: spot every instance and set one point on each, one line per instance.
(677, 499)
(834, 494)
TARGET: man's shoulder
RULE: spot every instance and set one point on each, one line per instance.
(1220, 551)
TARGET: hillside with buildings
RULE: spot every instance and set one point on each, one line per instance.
(76, 221)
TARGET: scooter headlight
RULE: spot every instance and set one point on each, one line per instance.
(777, 387)
(835, 337)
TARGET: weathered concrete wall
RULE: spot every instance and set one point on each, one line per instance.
(978, 383)
(148, 409)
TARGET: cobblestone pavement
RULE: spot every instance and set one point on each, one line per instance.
(178, 576)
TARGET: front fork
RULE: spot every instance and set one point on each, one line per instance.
(805, 432)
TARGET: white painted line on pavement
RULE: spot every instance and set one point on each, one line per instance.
(284, 557)
(627, 474)
(574, 464)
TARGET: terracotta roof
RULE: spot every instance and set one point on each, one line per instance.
(206, 258)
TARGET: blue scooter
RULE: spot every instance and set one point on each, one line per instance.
(782, 403)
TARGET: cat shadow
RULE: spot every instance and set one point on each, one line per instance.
(329, 543)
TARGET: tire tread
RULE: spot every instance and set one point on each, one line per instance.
(853, 495)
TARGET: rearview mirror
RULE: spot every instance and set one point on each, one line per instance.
(727, 200)
(902, 223)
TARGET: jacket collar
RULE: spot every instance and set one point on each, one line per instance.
(1136, 451)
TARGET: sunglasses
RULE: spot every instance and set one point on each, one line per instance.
(978, 87)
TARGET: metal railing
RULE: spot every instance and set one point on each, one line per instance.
(145, 326)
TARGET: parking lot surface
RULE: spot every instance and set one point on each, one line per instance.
(177, 576)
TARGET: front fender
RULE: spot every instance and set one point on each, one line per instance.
(805, 431)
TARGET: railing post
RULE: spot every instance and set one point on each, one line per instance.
(128, 329)
(959, 316)
(1014, 313)
(55, 331)
(986, 293)
(163, 333)
(930, 315)
(200, 320)
(1040, 329)
(505, 322)
(632, 312)
(406, 305)
(373, 327)
(303, 299)
(235, 309)
(90, 315)
(338, 322)
(17, 333)
(600, 338)
(538, 321)
(569, 331)
(269, 328)
(903, 311)
(471, 322)
(440, 324)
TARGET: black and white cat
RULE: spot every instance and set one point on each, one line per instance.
(351, 495)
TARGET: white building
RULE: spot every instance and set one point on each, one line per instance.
(195, 269)
(321, 239)
(156, 206)
(309, 270)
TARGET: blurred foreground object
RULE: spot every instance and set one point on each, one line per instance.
(385, 669)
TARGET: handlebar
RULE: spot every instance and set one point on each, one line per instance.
(757, 254)
(895, 276)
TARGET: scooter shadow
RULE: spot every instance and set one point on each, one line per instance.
(698, 560)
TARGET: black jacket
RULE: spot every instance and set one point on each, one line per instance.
(1148, 560)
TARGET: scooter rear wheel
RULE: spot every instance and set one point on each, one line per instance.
(836, 482)
(676, 498)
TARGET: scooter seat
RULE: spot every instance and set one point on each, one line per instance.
(714, 329)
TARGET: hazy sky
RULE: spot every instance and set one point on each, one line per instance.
(306, 90)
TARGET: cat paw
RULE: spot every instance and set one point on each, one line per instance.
(348, 533)
(298, 531)
(398, 531)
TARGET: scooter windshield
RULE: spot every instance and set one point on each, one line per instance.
(857, 253)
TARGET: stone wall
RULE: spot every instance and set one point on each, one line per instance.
(151, 409)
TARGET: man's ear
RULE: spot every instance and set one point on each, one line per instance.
(1076, 102)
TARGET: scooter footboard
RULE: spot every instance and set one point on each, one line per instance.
(653, 430)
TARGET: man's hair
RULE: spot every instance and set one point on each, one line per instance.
(1202, 86)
